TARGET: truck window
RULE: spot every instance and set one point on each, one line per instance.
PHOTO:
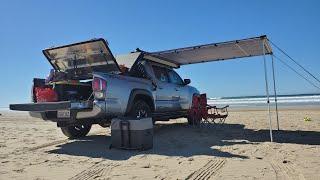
(174, 77)
(161, 73)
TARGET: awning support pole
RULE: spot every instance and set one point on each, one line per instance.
(267, 88)
(275, 91)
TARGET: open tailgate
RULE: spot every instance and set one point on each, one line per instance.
(51, 106)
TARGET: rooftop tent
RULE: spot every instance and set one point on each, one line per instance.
(127, 59)
(216, 51)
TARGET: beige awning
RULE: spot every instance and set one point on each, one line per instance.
(216, 51)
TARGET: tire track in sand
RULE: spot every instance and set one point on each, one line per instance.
(208, 170)
(100, 170)
(286, 170)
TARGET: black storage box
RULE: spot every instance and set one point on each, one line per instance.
(132, 133)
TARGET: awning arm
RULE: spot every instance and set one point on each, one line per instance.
(275, 91)
(267, 87)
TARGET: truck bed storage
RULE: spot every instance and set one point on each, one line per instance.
(64, 90)
(78, 91)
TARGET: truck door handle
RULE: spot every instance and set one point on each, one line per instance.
(177, 89)
(160, 87)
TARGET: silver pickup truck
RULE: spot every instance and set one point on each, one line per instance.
(93, 87)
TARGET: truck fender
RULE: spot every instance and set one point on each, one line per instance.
(139, 92)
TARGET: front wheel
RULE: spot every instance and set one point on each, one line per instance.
(76, 131)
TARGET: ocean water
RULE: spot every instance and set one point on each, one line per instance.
(256, 101)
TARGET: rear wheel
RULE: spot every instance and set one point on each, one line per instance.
(76, 131)
(140, 109)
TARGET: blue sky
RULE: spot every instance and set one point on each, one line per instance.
(28, 27)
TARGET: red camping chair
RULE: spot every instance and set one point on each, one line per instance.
(202, 112)
(212, 113)
(194, 112)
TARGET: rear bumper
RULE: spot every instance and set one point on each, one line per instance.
(78, 110)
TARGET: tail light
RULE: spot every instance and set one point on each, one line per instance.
(99, 87)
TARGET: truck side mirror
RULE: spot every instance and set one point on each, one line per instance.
(186, 81)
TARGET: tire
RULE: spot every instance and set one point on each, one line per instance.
(140, 109)
(74, 132)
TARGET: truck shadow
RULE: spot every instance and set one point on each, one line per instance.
(183, 140)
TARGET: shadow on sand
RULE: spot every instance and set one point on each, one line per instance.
(182, 140)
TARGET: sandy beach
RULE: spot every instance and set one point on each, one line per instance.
(240, 149)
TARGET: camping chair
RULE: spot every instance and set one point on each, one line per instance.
(212, 114)
(194, 113)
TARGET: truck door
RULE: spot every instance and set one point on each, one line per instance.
(180, 88)
(167, 97)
